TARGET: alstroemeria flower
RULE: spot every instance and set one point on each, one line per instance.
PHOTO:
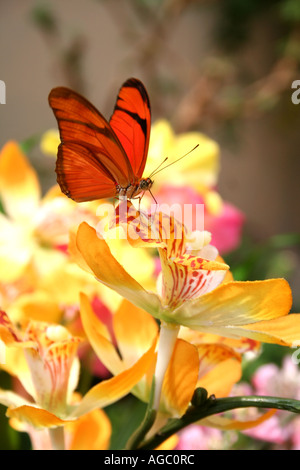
(193, 292)
(43, 357)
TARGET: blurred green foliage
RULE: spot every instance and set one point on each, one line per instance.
(236, 17)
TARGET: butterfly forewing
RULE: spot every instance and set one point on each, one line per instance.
(97, 158)
(80, 122)
(131, 121)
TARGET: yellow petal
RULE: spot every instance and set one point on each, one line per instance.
(240, 345)
(90, 432)
(226, 424)
(16, 365)
(200, 168)
(106, 268)
(111, 390)
(76, 255)
(180, 378)
(99, 337)
(169, 444)
(135, 331)
(38, 305)
(19, 186)
(234, 304)
(49, 142)
(284, 330)
(16, 248)
(220, 368)
(37, 417)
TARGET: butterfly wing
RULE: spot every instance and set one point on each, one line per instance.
(98, 153)
(80, 175)
(131, 122)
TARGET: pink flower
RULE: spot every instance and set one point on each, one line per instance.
(196, 437)
(225, 224)
(284, 381)
(226, 228)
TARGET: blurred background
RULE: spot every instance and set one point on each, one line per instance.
(222, 68)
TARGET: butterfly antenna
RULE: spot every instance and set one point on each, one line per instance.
(153, 172)
(172, 163)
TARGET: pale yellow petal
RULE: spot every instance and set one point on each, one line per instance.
(19, 185)
(135, 331)
(234, 304)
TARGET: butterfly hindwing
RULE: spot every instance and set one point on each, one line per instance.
(80, 175)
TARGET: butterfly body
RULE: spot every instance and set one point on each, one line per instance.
(133, 190)
(98, 158)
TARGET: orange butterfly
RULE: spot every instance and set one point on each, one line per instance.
(100, 159)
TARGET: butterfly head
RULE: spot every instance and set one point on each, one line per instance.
(145, 184)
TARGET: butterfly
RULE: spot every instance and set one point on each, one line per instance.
(98, 158)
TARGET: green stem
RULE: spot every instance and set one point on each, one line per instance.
(167, 340)
(149, 418)
(214, 406)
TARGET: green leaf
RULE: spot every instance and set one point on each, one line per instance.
(126, 416)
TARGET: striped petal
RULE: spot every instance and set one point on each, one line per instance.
(188, 277)
(155, 230)
(53, 364)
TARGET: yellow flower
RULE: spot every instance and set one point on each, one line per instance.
(49, 142)
(43, 357)
(199, 169)
(31, 227)
(195, 290)
(34, 234)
